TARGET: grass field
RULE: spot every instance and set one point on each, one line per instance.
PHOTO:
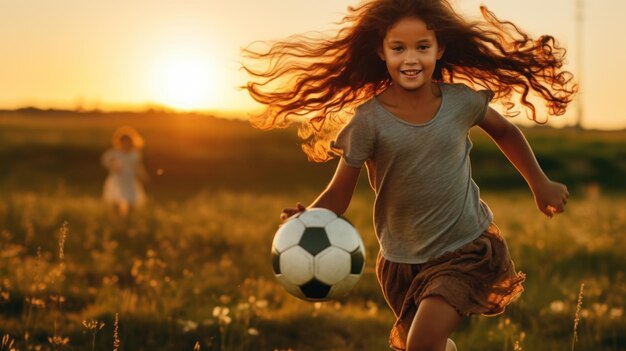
(191, 271)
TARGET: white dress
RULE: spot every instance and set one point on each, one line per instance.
(122, 186)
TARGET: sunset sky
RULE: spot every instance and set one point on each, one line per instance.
(185, 54)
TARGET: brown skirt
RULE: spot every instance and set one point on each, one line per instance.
(478, 278)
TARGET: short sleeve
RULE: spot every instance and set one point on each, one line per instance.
(483, 98)
(355, 141)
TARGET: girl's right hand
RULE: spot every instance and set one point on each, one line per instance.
(288, 212)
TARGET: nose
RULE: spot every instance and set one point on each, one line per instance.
(411, 57)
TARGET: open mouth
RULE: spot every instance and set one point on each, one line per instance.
(411, 72)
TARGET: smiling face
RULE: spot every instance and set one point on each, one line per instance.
(410, 51)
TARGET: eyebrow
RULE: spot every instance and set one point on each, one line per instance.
(428, 41)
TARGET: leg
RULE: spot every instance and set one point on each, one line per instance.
(433, 323)
(122, 208)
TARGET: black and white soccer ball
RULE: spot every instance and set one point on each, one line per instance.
(317, 255)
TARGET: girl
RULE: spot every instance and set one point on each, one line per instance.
(396, 67)
(122, 187)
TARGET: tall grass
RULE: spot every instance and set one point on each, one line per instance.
(579, 306)
(196, 274)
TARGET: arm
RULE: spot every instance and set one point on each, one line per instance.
(337, 195)
(550, 196)
(110, 162)
(140, 170)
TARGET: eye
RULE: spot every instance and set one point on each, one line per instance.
(397, 48)
(423, 47)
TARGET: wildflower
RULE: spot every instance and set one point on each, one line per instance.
(242, 306)
(225, 299)
(93, 325)
(557, 306)
(221, 313)
(600, 309)
(56, 299)
(35, 302)
(188, 325)
(615, 313)
(7, 343)
(58, 341)
(261, 304)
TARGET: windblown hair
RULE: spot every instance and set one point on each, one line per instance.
(319, 81)
(127, 132)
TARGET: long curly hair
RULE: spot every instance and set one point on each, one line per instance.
(318, 80)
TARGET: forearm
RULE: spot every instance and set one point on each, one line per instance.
(516, 148)
(333, 200)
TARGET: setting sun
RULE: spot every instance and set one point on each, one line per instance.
(187, 83)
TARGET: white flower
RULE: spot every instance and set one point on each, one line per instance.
(557, 306)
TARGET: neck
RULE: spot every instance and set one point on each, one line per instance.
(414, 97)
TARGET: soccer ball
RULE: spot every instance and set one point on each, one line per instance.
(317, 255)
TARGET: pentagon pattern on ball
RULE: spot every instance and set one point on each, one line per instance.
(275, 261)
(357, 261)
(314, 240)
(315, 289)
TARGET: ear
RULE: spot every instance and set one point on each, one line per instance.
(441, 48)
(380, 53)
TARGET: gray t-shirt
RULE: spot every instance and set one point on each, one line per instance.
(426, 201)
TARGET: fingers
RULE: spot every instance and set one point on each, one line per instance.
(288, 212)
(283, 216)
(551, 210)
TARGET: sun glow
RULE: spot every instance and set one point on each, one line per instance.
(187, 83)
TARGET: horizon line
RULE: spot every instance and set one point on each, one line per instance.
(154, 108)
(240, 115)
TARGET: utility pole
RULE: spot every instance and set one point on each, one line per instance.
(579, 59)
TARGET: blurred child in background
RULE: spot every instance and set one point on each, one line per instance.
(123, 188)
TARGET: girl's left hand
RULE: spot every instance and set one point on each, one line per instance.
(551, 197)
